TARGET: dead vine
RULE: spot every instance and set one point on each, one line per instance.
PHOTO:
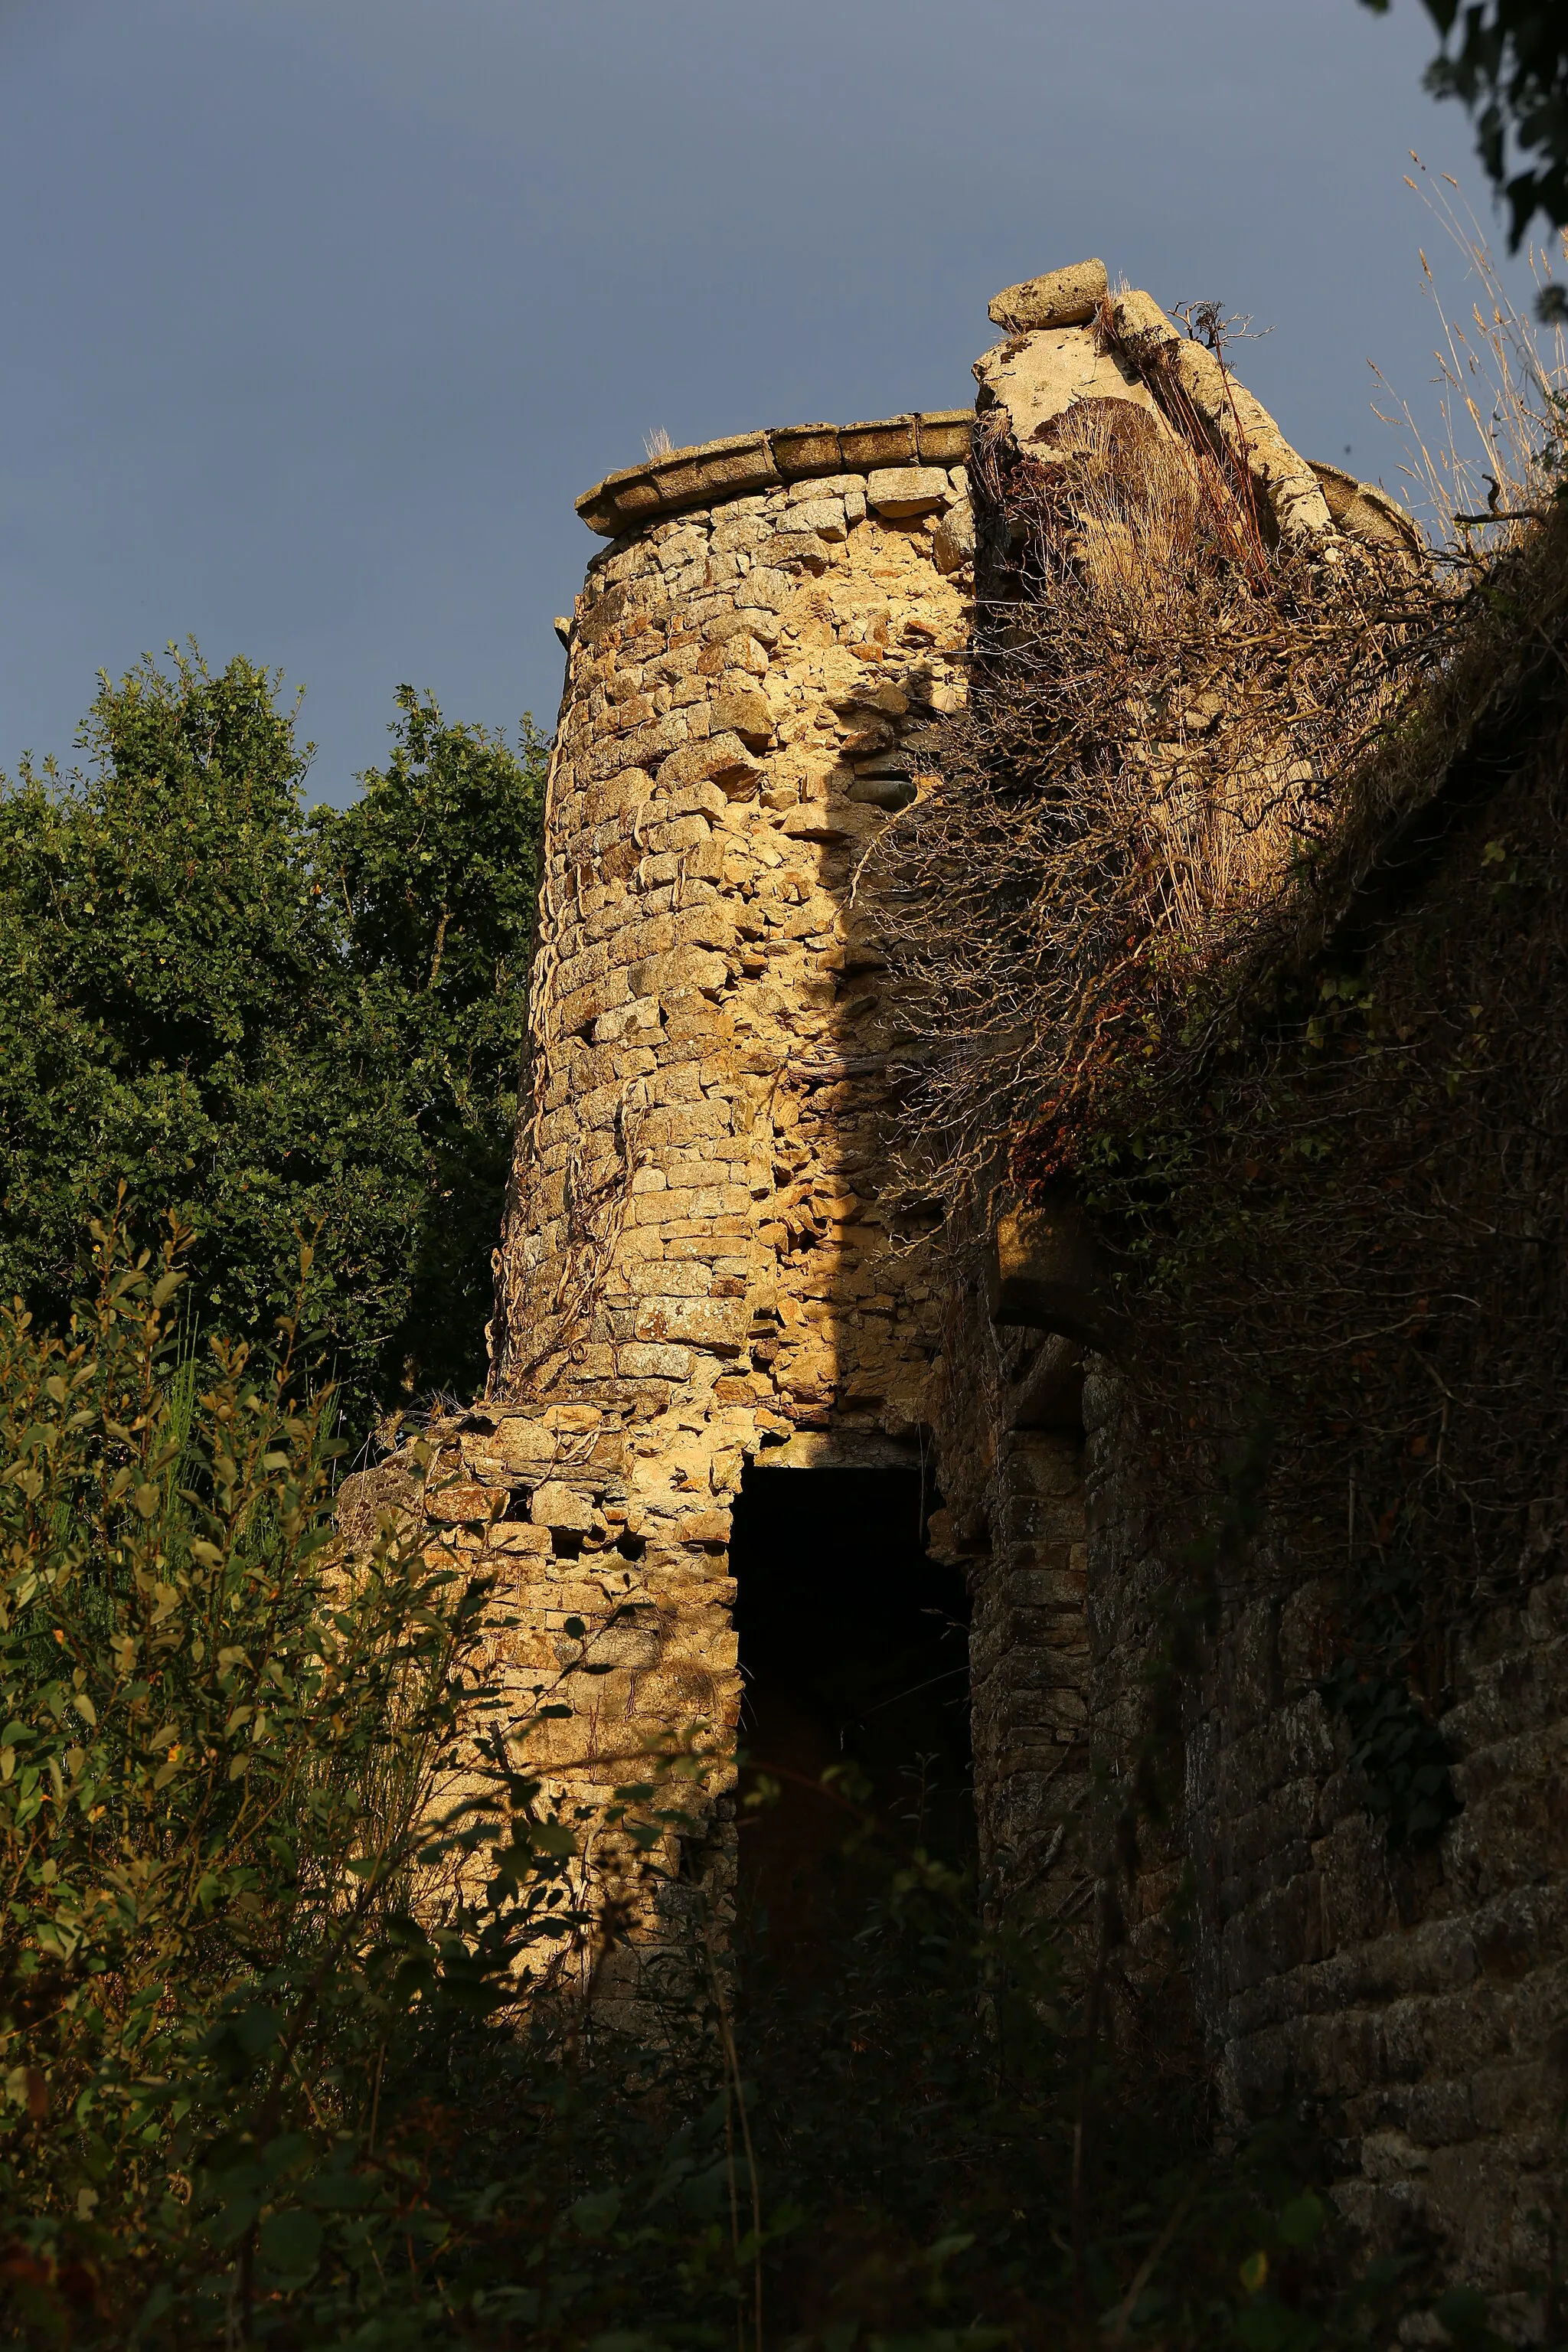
(1170, 725)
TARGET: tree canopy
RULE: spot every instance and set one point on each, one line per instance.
(280, 1023)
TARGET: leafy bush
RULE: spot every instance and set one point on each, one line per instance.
(278, 1023)
(215, 1763)
(266, 2073)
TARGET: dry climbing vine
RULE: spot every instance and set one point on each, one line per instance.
(1239, 907)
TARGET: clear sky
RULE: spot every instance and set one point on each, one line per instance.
(319, 313)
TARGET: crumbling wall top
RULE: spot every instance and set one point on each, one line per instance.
(712, 471)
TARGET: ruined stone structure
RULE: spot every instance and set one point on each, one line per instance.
(697, 1280)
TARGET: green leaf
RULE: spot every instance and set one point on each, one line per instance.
(551, 1837)
(256, 2029)
(1301, 2221)
(1463, 2313)
(594, 2214)
(1266, 2326)
(232, 2220)
(291, 2240)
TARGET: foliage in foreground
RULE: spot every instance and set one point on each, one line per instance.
(1507, 63)
(249, 2095)
(278, 1022)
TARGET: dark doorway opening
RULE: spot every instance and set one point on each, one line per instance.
(854, 1648)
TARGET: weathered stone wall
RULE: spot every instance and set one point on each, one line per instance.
(1411, 2001)
(698, 1271)
(695, 1269)
(1408, 1992)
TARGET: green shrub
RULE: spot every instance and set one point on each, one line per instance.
(264, 2070)
(216, 1768)
(267, 2072)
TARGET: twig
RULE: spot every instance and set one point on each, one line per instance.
(1117, 2332)
(733, 2062)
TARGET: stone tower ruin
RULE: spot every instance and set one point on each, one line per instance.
(701, 1308)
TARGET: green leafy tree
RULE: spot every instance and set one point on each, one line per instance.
(279, 1024)
(435, 870)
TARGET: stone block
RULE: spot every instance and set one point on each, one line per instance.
(644, 748)
(743, 712)
(616, 503)
(766, 589)
(952, 543)
(683, 967)
(619, 793)
(680, 547)
(557, 1508)
(684, 1123)
(1047, 1274)
(875, 788)
(709, 1530)
(899, 493)
(1060, 297)
(466, 1502)
(719, 758)
(715, 470)
(702, 798)
(642, 1360)
(761, 621)
(803, 450)
(520, 1537)
(825, 517)
(574, 1419)
(890, 443)
(524, 1445)
(635, 1023)
(717, 1325)
(669, 1278)
(581, 1009)
(944, 435)
(1035, 378)
(802, 549)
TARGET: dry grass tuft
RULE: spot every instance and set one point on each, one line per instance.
(1503, 386)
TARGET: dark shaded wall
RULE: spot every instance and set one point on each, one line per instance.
(1326, 1503)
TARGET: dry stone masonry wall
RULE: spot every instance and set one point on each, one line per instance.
(696, 1270)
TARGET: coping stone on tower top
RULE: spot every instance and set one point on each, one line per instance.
(714, 471)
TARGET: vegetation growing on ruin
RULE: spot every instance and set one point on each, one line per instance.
(254, 2093)
(266, 2073)
(282, 1024)
(1250, 931)
(1189, 737)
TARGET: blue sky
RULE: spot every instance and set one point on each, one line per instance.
(319, 313)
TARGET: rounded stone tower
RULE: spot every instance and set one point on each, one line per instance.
(696, 1277)
(698, 1285)
(694, 1273)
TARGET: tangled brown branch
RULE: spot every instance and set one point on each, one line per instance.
(1171, 724)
